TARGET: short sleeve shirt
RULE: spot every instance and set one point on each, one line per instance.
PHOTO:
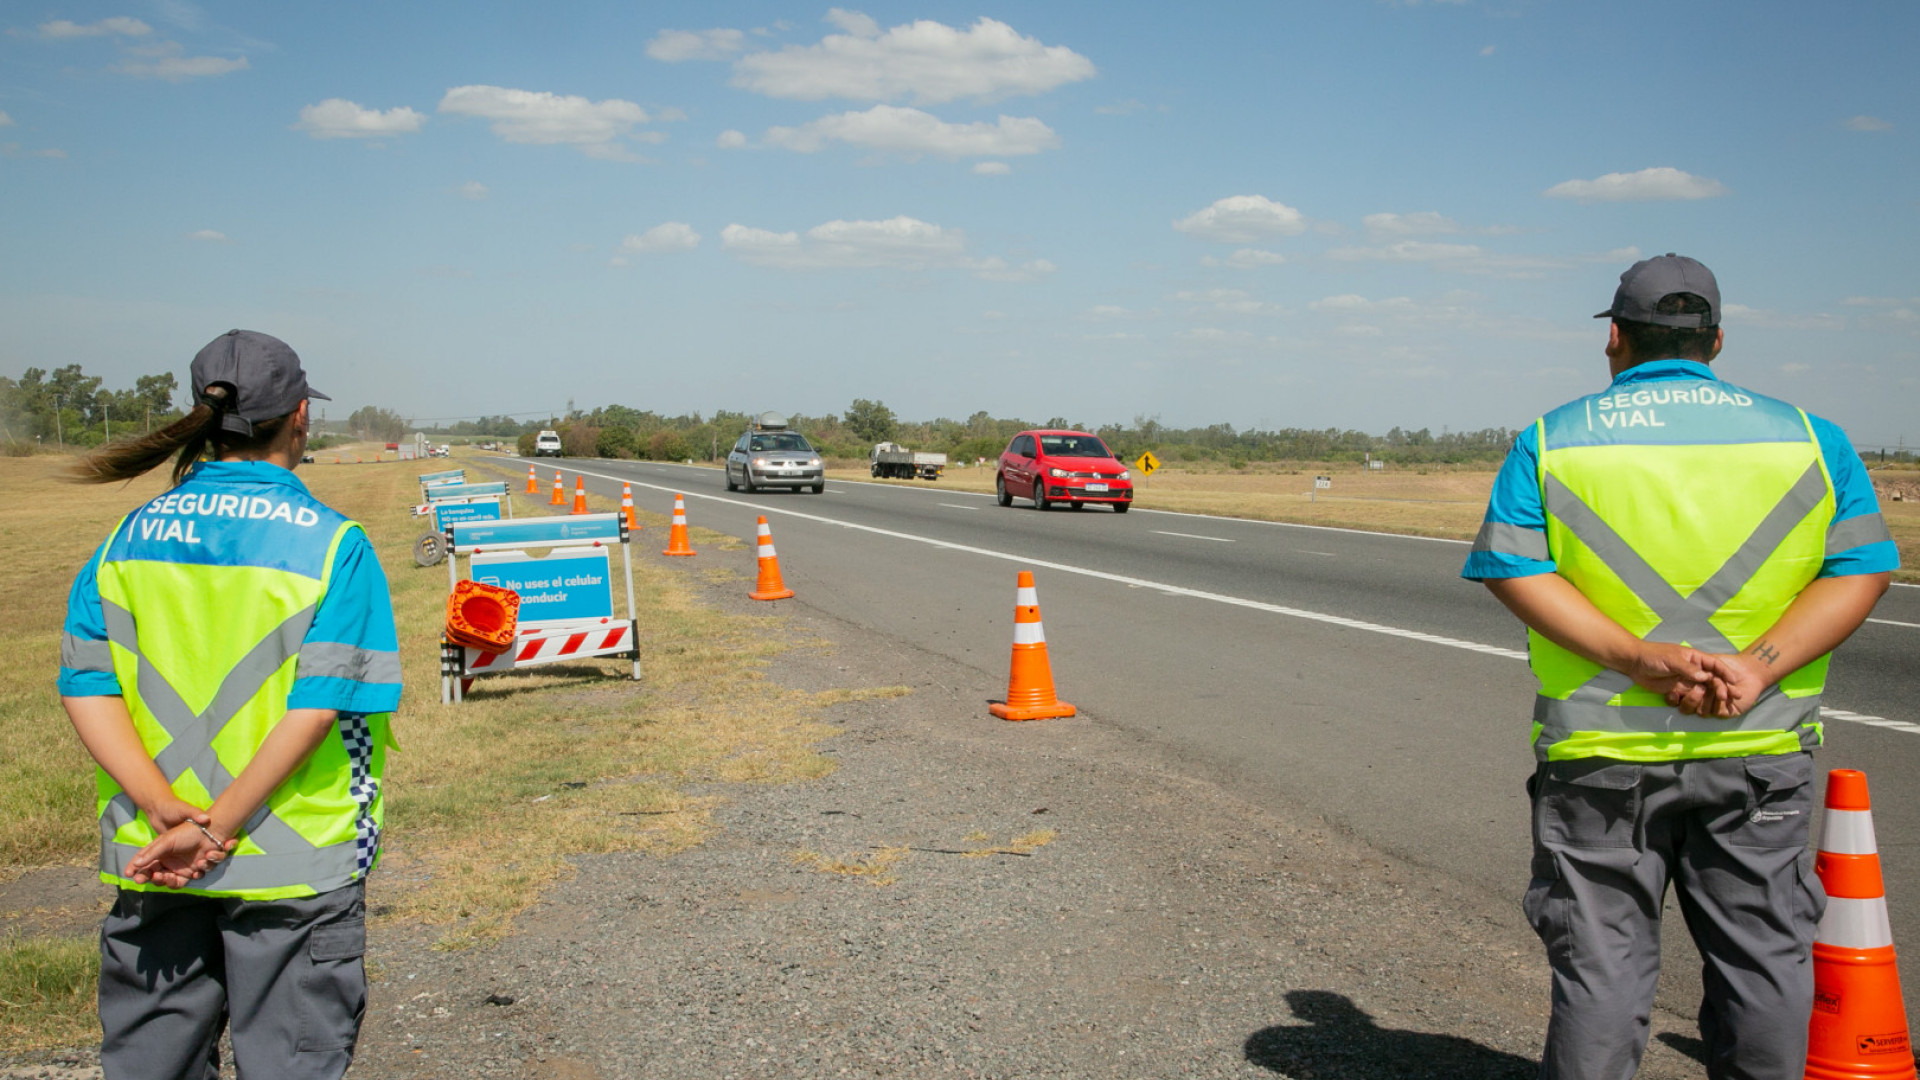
(1515, 503)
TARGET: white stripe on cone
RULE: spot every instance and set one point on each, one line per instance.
(1026, 597)
(1856, 924)
(765, 550)
(1028, 633)
(1848, 832)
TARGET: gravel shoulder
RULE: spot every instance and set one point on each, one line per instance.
(1168, 927)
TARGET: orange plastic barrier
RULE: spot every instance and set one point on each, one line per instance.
(1859, 1026)
(1030, 677)
(770, 586)
(483, 617)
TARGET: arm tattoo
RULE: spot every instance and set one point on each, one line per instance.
(1767, 653)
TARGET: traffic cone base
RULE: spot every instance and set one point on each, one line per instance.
(770, 587)
(1859, 1025)
(677, 543)
(559, 491)
(1030, 693)
(579, 494)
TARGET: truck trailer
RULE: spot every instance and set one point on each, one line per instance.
(897, 462)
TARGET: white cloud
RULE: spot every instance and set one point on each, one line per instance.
(1423, 223)
(15, 150)
(1662, 183)
(1488, 51)
(1227, 301)
(991, 168)
(545, 119)
(472, 189)
(674, 46)
(5, 120)
(1108, 311)
(338, 118)
(912, 132)
(1739, 315)
(995, 268)
(1463, 258)
(853, 22)
(903, 242)
(1353, 302)
(167, 61)
(1243, 219)
(121, 25)
(210, 236)
(926, 62)
(730, 140)
(672, 236)
(1866, 123)
(1121, 108)
(1245, 259)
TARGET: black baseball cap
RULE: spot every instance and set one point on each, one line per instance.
(1648, 281)
(263, 371)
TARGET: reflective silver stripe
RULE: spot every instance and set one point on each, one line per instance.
(83, 654)
(289, 859)
(338, 660)
(320, 869)
(1857, 531)
(1508, 539)
(1559, 719)
(1800, 500)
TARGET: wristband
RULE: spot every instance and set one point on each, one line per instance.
(208, 833)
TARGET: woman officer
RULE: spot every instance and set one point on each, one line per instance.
(230, 662)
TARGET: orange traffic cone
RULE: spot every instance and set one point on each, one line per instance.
(1030, 680)
(1859, 1027)
(626, 507)
(533, 482)
(770, 586)
(677, 536)
(579, 494)
(559, 491)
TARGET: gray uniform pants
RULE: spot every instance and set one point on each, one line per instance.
(288, 974)
(1731, 834)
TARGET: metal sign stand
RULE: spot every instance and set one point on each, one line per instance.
(549, 641)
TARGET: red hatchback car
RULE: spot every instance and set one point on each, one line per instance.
(1062, 466)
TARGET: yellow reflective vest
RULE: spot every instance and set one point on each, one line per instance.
(207, 596)
(1690, 511)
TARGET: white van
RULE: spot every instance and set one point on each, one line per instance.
(546, 444)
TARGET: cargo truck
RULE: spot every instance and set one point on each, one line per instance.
(897, 462)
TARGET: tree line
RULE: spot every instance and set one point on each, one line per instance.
(620, 431)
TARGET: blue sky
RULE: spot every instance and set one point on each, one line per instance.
(1342, 214)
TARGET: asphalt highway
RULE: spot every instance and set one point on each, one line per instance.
(1346, 674)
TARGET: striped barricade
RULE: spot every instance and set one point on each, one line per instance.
(566, 595)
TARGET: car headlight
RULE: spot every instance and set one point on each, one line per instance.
(1058, 472)
(1124, 475)
(760, 462)
(814, 463)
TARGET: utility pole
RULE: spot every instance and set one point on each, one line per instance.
(58, 434)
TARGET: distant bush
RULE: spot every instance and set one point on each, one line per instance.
(615, 442)
(17, 448)
(525, 444)
(668, 446)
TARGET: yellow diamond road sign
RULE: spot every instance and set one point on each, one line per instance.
(1147, 463)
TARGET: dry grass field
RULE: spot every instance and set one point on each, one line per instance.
(1441, 501)
(487, 801)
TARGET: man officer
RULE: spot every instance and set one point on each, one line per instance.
(1685, 553)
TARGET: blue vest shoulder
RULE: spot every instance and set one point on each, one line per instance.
(213, 521)
(1686, 411)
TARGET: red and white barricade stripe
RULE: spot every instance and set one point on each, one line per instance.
(610, 637)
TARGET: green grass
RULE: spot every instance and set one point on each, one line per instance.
(47, 991)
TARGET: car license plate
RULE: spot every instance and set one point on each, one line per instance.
(789, 472)
(1096, 487)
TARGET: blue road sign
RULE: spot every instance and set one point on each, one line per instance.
(537, 532)
(565, 586)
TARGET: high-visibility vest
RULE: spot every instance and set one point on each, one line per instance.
(208, 593)
(1689, 511)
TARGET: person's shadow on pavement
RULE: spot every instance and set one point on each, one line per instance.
(1340, 1042)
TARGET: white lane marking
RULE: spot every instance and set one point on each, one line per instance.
(956, 506)
(1197, 594)
(1328, 554)
(1895, 622)
(1102, 575)
(1192, 536)
(1905, 585)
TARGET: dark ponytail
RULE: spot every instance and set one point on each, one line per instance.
(186, 440)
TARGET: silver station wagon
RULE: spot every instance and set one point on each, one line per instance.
(771, 454)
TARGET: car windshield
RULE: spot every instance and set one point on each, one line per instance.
(791, 441)
(1073, 446)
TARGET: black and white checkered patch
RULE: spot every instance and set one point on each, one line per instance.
(358, 738)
